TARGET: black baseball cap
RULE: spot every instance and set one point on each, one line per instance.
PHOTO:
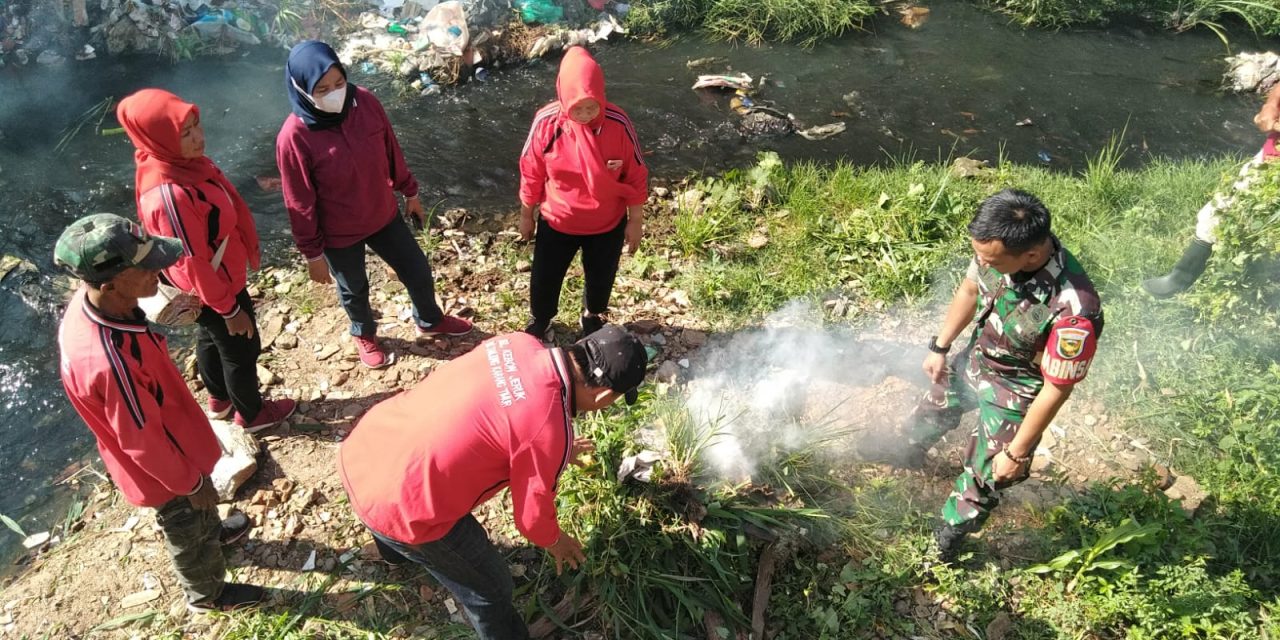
(617, 359)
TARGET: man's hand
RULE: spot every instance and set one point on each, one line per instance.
(241, 324)
(1004, 469)
(566, 550)
(581, 447)
(318, 270)
(935, 366)
(205, 498)
(413, 207)
(633, 234)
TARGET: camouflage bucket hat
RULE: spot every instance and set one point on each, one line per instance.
(97, 248)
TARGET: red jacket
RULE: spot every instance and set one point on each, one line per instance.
(152, 434)
(201, 215)
(338, 182)
(498, 416)
(583, 175)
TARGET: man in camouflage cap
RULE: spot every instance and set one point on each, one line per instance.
(1036, 322)
(153, 436)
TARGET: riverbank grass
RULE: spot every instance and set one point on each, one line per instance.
(753, 21)
(1191, 380)
(1220, 16)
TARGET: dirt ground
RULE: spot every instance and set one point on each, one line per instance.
(110, 566)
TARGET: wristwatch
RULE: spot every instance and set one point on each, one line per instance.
(933, 346)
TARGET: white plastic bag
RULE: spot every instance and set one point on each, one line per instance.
(446, 27)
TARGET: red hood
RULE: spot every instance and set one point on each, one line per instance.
(580, 78)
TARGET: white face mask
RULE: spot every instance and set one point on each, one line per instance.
(332, 102)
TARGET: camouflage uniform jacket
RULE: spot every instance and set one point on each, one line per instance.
(1019, 315)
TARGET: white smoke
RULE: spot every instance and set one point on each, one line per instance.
(792, 385)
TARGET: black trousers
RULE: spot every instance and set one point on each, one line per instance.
(228, 364)
(553, 252)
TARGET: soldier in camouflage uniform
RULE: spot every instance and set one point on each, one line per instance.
(1036, 320)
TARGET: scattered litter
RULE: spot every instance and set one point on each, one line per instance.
(822, 132)
(139, 598)
(638, 466)
(446, 27)
(129, 524)
(970, 168)
(740, 81)
(36, 540)
(1025, 122)
(698, 63)
(1044, 156)
(310, 564)
(914, 17)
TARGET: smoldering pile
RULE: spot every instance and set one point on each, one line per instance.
(793, 386)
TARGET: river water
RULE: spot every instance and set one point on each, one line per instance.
(957, 86)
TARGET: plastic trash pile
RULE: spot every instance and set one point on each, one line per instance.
(1252, 72)
(428, 42)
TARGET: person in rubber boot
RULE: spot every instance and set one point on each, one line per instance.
(1196, 256)
(1036, 320)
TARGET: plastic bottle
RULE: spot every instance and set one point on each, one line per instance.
(482, 74)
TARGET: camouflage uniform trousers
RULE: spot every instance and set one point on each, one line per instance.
(191, 537)
(1002, 403)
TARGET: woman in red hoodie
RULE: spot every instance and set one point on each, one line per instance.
(182, 194)
(582, 170)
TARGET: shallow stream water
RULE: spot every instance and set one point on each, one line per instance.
(957, 86)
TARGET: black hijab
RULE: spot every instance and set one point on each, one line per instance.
(308, 61)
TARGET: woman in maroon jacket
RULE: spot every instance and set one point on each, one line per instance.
(182, 194)
(339, 161)
(582, 170)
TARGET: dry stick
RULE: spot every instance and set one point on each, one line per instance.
(570, 604)
(764, 584)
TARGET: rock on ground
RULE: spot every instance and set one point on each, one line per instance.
(239, 458)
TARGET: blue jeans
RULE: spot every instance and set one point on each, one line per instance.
(467, 564)
(396, 245)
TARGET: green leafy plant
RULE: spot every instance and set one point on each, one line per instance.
(1088, 560)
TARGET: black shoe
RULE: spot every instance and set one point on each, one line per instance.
(235, 596)
(591, 323)
(1185, 272)
(948, 540)
(389, 556)
(537, 328)
(234, 528)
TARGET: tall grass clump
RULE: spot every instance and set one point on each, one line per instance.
(753, 21)
(672, 557)
(1220, 16)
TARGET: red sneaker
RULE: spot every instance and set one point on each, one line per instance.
(217, 409)
(447, 326)
(273, 413)
(371, 354)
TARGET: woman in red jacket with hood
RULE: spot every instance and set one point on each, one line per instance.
(182, 194)
(582, 170)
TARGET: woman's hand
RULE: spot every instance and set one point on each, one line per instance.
(413, 207)
(1268, 118)
(318, 270)
(633, 235)
(528, 223)
(241, 324)
(566, 551)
